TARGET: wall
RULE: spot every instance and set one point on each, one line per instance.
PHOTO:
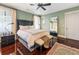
(61, 19)
(24, 15)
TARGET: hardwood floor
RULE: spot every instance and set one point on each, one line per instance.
(65, 41)
(8, 49)
(69, 42)
(27, 52)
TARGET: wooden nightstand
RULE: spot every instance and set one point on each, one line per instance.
(7, 44)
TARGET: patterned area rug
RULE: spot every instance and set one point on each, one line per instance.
(60, 49)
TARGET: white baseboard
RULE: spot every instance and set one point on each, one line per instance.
(62, 36)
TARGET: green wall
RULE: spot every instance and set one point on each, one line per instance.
(24, 15)
(61, 19)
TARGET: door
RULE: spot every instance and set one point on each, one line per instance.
(72, 25)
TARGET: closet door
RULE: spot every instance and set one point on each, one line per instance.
(72, 25)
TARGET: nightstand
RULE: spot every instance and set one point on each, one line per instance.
(7, 44)
(54, 39)
(53, 33)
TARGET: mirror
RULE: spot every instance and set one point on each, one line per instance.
(53, 24)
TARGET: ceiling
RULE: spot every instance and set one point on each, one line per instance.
(50, 9)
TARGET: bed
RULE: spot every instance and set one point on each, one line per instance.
(28, 37)
(27, 34)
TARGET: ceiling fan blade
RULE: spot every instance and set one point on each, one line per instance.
(38, 7)
(47, 4)
(32, 4)
(43, 8)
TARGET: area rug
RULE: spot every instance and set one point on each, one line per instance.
(60, 49)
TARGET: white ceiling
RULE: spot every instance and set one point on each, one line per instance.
(50, 9)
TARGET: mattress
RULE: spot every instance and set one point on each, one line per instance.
(26, 45)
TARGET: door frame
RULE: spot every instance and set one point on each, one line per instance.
(66, 21)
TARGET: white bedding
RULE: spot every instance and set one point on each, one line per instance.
(31, 35)
(34, 31)
(26, 45)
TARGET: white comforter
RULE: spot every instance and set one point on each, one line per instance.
(31, 35)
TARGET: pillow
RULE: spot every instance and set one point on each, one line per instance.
(31, 27)
(24, 27)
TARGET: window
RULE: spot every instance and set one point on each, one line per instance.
(53, 24)
(5, 21)
(37, 22)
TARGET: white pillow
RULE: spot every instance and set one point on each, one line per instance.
(31, 27)
(24, 27)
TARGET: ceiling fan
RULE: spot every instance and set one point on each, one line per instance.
(41, 5)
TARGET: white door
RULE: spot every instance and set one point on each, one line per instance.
(37, 22)
(72, 25)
